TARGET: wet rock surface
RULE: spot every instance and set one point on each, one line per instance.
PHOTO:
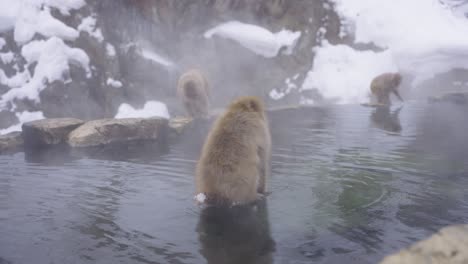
(46, 132)
(113, 131)
(449, 245)
(11, 142)
(7, 119)
(178, 124)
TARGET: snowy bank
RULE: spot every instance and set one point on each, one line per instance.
(257, 39)
(53, 57)
(420, 38)
(150, 109)
(344, 74)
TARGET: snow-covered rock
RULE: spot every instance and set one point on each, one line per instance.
(258, 39)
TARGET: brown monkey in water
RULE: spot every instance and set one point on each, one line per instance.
(235, 158)
(193, 91)
(385, 84)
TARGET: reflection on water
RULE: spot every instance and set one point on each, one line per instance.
(343, 190)
(386, 120)
(239, 234)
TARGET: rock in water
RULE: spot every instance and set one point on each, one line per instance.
(11, 142)
(449, 245)
(107, 131)
(47, 132)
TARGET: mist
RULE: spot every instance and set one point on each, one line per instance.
(109, 177)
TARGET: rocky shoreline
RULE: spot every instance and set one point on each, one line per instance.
(76, 133)
(79, 134)
(448, 245)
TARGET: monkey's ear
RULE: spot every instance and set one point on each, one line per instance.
(254, 106)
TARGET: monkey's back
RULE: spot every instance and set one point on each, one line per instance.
(382, 83)
(196, 101)
(228, 166)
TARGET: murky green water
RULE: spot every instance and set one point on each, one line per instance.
(350, 184)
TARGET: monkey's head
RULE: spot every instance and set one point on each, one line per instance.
(191, 90)
(396, 79)
(247, 104)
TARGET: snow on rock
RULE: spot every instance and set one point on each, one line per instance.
(421, 38)
(8, 14)
(425, 36)
(344, 74)
(424, 65)
(398, 24)
(36, 15)
(277, 94)
(113, 83)
(7, 57)
(23, 117)
(110, 50)
(2, 42)
(53, 57)
(16, 80)
(33, 18)
(150, 109)
(64, 6)
(255, 38)
(88, 25)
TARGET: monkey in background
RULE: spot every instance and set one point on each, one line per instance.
(193, 91)
(385, 84)
(235, 158)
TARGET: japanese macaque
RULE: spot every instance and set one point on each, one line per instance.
(385, 84)
(193, 91)
(235, 160)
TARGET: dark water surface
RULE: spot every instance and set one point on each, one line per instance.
(350, 184)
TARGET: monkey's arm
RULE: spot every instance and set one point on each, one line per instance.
(262, 169)
(395, 91)
(264, 155)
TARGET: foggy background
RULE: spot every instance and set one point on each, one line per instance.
(137, 49)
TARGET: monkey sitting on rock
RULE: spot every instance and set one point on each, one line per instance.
(235, 158)
(383, 85)
(193, 91)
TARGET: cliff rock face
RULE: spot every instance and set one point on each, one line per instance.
(175, 29)
(133, 51)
